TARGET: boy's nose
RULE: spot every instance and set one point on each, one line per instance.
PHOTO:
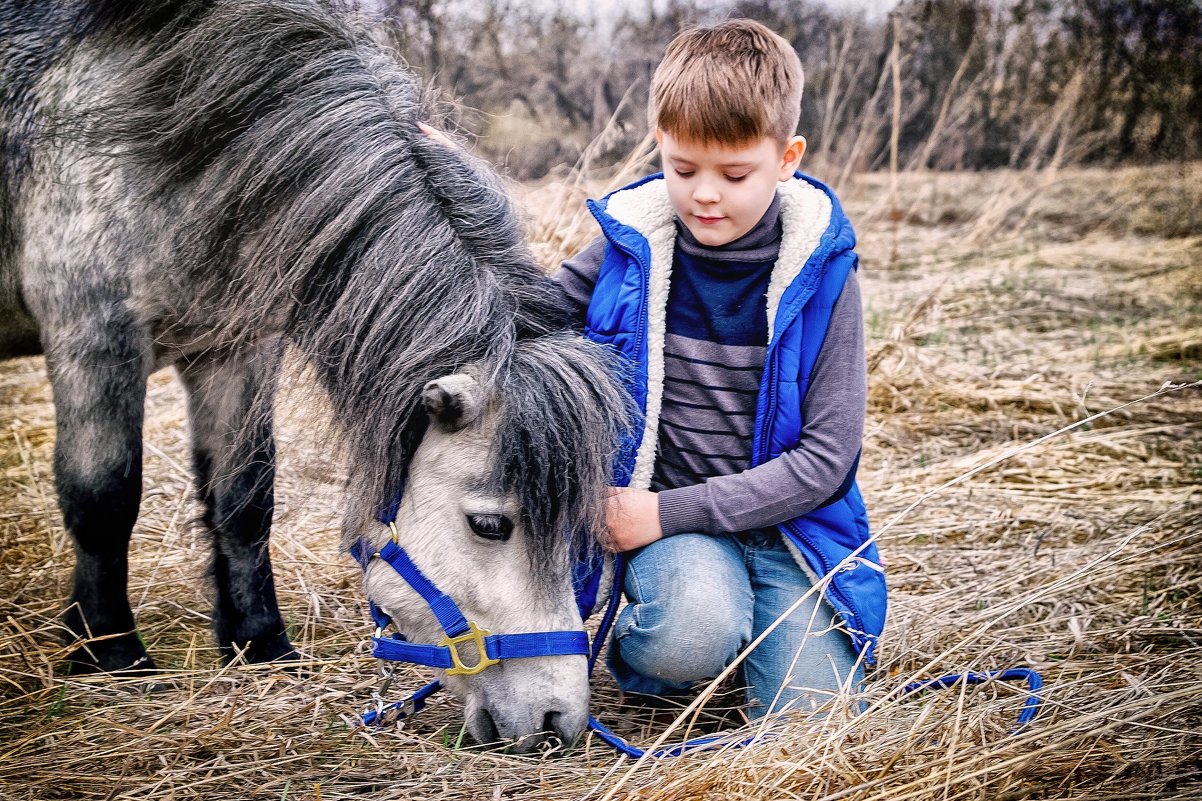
(706, 194)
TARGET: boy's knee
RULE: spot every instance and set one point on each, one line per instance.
(678, 643)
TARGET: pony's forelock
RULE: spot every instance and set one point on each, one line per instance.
(561, 414)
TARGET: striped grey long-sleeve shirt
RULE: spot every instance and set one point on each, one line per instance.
(714, 352)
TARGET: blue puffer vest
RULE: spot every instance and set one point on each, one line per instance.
(628, 311)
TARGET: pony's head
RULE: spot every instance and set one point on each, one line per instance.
(509, 476)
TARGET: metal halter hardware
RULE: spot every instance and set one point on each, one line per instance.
(474, 635)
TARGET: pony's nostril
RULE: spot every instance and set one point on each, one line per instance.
(553, 725)
(488, 728)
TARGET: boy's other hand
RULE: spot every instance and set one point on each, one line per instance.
(633, 517)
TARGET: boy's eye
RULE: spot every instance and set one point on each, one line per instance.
(736, 178)
(684, 173)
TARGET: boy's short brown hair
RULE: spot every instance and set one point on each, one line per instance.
(728, 83)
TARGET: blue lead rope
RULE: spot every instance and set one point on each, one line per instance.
(410, 706)
(689, 746)
(1033, 679)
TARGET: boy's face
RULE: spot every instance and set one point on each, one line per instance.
(721, 191)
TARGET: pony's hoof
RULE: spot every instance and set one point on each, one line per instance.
(120, 656)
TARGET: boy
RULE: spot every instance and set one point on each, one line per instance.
(728, 285)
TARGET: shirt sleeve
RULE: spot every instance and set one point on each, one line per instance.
(577, 276)
(800, 479)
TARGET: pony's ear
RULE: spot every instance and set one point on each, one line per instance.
(452, 401)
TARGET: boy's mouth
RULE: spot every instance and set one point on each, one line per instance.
(708, 220)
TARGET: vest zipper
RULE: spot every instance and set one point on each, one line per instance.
(645, 285)
(644, 300)
(770, 409)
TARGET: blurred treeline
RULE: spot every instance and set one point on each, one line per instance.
(979, 83)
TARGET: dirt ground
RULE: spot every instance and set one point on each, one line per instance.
(1032, 466)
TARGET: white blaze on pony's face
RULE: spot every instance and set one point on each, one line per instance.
(470, 542)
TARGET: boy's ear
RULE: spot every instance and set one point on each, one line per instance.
(795, 148)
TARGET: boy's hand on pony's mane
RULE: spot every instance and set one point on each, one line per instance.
(633, 517)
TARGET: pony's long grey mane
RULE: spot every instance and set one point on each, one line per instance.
(287, 143)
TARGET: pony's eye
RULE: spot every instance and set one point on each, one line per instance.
(491, 527)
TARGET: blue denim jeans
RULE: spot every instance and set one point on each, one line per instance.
(696, 600)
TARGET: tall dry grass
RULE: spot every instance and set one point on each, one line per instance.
(1014, 534)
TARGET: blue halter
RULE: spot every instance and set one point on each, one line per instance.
(489, 648)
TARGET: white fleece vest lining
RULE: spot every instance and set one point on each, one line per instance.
(805, 213)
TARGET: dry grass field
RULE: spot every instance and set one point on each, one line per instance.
(1032, 464)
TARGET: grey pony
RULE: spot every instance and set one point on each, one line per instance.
(200, 184)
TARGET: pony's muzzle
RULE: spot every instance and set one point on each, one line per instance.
(527, 727)
(556, 733)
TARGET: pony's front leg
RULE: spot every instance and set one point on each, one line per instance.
(233, 453)
(98, 374)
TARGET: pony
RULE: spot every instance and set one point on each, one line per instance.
(199, 184)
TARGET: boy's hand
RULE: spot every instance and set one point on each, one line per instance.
(633, 517)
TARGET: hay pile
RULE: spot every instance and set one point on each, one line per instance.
(996, 316)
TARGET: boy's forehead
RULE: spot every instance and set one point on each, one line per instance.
(726, 154)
